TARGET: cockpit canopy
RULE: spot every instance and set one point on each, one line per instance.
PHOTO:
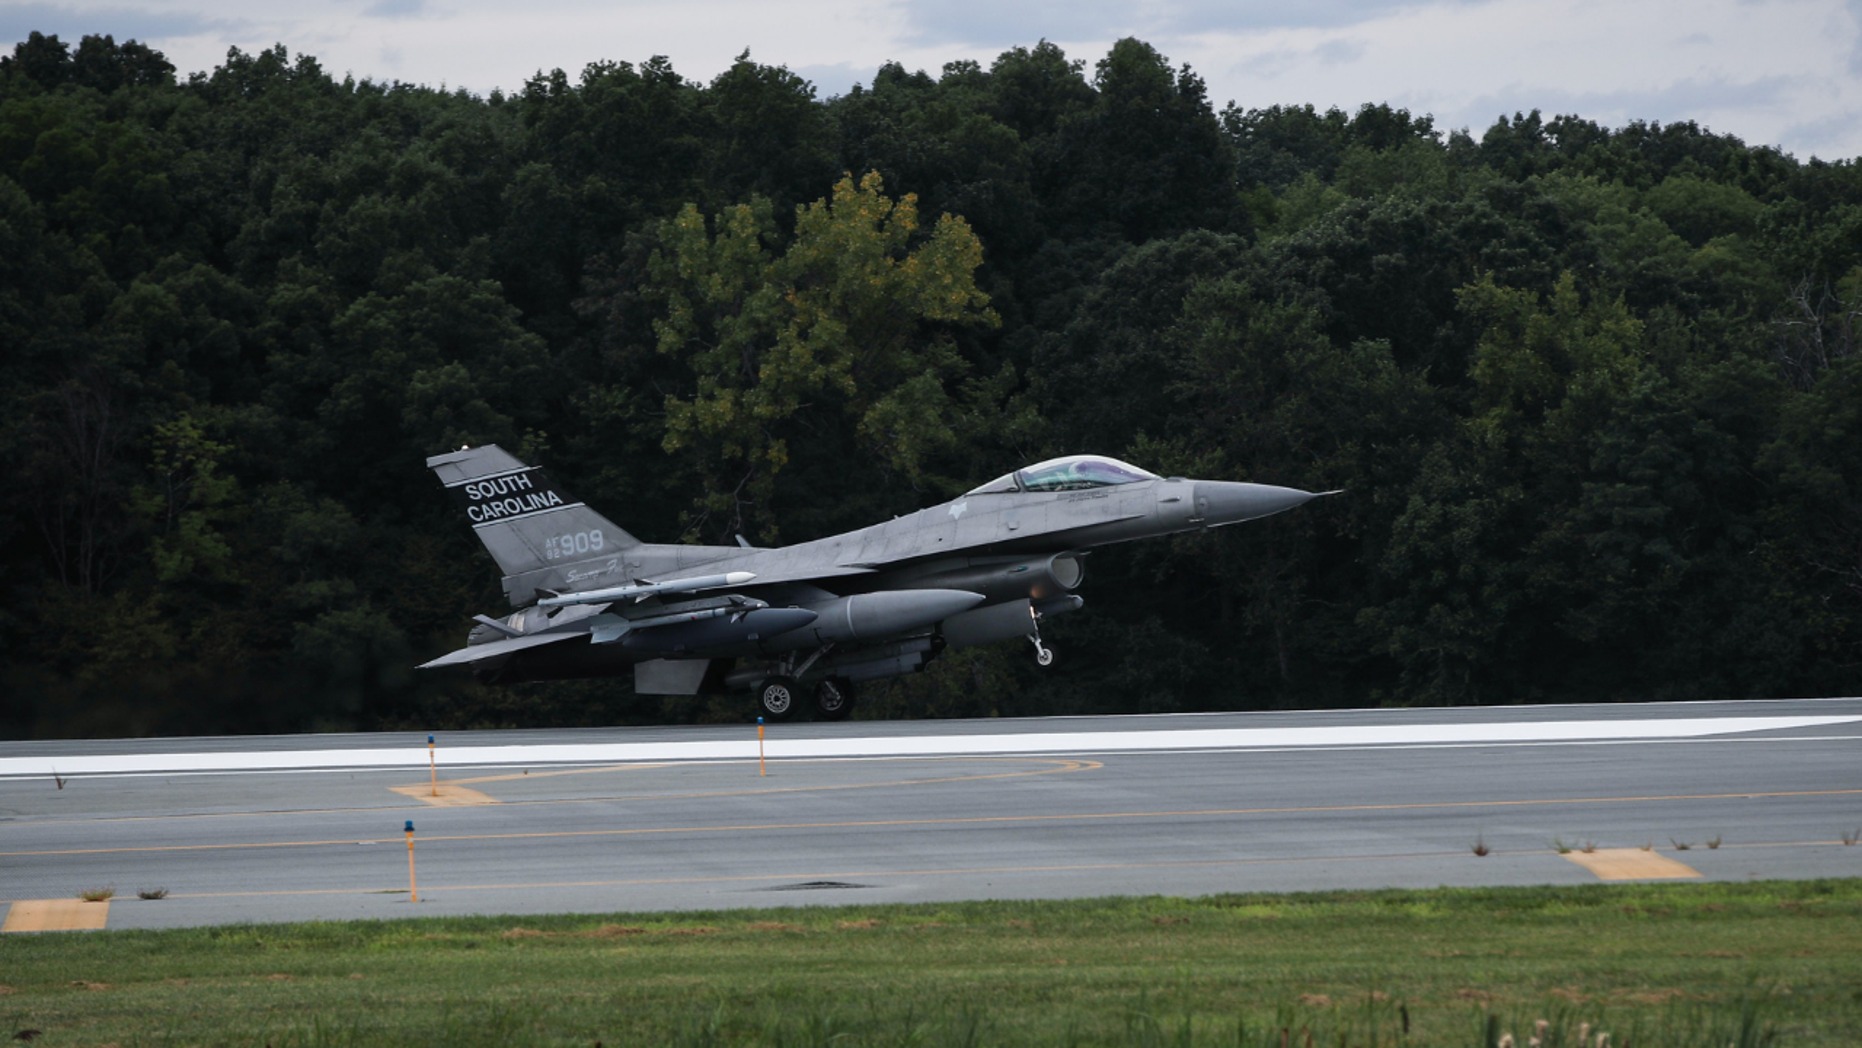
(1071, 473)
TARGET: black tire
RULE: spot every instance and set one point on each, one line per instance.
(775, 698)
(834, 698)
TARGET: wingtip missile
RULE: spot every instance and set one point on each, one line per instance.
(641, 591)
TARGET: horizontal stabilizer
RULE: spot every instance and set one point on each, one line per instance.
(496, 649)
(497, 624)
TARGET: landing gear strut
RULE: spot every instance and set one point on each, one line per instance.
(1043, 655)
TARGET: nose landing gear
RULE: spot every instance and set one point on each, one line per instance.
(1043, 655)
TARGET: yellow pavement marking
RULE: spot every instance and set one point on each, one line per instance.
(445, 795)
(455, 793)
(1631, 864)
(1065, 765)
(956, 820)
(525, 776)
(56, 915)
(1052, 766)
(466, 797)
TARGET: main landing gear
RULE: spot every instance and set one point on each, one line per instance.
(778, 697)
(775, 698)
(834, 698)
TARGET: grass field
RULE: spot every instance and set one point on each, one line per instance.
(1776, 963)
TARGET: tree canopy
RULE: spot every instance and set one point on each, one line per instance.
(1593, 393)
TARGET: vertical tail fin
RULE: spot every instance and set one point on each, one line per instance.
(540, 537)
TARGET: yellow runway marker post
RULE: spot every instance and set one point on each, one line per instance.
(454, 796)
(1631, 864)
(760, 770)
(56, 915)
(413, 891)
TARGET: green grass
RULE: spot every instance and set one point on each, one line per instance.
(1776, 963)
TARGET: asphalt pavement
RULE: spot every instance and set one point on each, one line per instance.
(288, 828)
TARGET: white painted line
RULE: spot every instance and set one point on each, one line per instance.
(930, 745)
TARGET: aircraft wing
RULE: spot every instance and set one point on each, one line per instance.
(497, 649)
(812, 573)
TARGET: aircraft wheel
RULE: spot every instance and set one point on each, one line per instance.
(775, 698)
(834, 698)
(1044, 657)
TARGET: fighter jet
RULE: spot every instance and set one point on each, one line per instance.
(807, 620)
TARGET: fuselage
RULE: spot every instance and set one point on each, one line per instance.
(997, 523)
(874, 602)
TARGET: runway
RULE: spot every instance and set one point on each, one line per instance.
(311, 827)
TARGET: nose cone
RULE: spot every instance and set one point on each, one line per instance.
(1220, 502)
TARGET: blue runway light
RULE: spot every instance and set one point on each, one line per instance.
(410, 826)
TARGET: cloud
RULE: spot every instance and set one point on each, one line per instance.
(396, 9)
(1195, 16)
(833, 80)
(19, 21)
(1697, 100)
(1832, 136)
(1853, 10)
(1754, 70)
(1339, 52)
(995, 24)
(1765, 70)
(991, 23)
(1269, 65)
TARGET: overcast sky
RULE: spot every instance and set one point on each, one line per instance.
(1773, 72)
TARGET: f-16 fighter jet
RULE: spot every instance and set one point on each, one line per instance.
(806, 621)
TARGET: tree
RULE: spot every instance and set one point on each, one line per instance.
(1591, 391)
(939, 141)
(772, 139)
(102, 64)
(1812, 532)
(1103, 380)
(1147, 160)
(1264, 396)
(851, 314)
(1033, 91)
(43, 60)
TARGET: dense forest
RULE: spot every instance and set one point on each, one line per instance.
(1593, 394)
